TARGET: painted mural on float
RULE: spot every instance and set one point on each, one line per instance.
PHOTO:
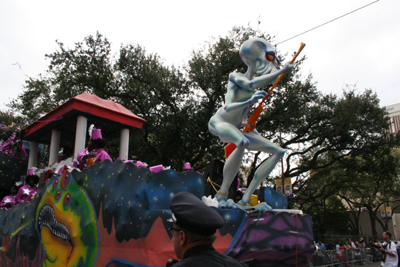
(115, 214)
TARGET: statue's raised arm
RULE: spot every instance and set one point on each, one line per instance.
(259, 56)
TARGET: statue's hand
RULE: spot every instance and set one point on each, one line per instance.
(256, 96)
(288, 67)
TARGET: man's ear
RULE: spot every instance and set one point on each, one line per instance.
(182, 238)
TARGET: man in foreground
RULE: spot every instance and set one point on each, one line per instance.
(389, 251)
(193, 233)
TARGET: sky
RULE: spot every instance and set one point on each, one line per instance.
(360, 49)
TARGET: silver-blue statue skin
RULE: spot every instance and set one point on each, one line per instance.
(242, 94)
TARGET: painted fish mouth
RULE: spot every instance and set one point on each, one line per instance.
(58, 229)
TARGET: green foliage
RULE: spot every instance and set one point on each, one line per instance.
(314, 126)
(7, 118)
(157, 94)
(137, 80)
(177, 104)
(9, 124)
(363, 182)
(86, 68)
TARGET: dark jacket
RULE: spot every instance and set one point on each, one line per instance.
(207, 256)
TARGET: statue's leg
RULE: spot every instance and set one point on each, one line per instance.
(229, 134)
(231, 168)
(259, 143)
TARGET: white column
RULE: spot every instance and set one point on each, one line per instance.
(32, 160)
(54, 146)
(80, 135)
(124, 144)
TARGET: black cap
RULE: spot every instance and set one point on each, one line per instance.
(193, 215)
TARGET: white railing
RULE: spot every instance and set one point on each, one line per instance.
(344, 257)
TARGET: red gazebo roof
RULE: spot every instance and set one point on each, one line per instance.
(106, 114)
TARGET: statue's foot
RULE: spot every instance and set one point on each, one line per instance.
(229, 204)
(262, 206)
(242, 206)
(219, 197)
(245, 206)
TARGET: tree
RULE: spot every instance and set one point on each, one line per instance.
(373, 181)
(7, 118)
(177, 104)
(159, 94)
(314, 126)
(356, 181)
(137, 80)
(177, 107)
(297, 116)
(86, 68)
(317, 195)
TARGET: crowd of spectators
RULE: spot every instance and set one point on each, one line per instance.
(349, 251)
(342, 251)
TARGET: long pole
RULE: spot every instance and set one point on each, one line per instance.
(252, 120)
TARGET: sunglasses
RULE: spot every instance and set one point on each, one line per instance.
(172, 229)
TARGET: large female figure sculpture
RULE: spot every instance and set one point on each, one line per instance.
(242, 94)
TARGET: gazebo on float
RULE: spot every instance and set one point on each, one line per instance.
(68, 124)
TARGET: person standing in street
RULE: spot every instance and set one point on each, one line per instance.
(321, 245)
(389, 251)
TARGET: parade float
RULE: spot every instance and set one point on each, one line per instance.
(116, 213)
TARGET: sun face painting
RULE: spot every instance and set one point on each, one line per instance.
(67, 224)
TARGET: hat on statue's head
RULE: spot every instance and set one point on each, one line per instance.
(96, 136)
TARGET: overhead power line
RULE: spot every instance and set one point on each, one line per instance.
(328, 22)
